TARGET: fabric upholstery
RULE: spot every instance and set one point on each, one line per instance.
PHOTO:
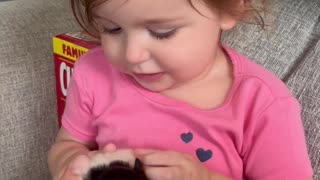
(27, 86)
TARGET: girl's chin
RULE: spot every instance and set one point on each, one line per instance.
(155, 86)
(149, 78)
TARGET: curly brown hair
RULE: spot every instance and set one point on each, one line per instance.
(243, 10)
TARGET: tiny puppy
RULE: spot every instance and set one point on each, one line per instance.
(117, 170)
(117, 165)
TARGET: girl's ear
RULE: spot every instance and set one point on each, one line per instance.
(228, 21)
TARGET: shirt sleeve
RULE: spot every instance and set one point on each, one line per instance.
(274, 146)
(77, 117)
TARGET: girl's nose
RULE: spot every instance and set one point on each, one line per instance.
(136, 52)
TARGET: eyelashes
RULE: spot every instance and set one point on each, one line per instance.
(157, 35)
(112, 31)
(163, 35)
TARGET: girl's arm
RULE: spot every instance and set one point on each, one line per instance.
(63, 151)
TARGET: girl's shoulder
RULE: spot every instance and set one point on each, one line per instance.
(94, 73)
(92, 61)
(250, 73)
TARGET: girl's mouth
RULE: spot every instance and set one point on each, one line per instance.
(149, 77)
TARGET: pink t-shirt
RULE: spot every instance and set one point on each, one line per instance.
(256, 134)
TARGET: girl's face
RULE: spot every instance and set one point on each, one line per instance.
(162, 44)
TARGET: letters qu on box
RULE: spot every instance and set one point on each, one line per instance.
(67, 48)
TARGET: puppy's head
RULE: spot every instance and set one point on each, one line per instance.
(118, 165)
(117, 170)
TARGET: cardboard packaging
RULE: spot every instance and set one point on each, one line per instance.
(67, 48)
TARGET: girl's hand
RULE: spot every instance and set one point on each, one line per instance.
(81, 163)
(168, 165)
(67, 175)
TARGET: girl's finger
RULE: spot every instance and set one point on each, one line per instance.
(141, 153)
(144, 151)
(92, 153)
(110, 148)
(80, 165)
(161, 173)
(72, 173)
(161, 158)
(69, 176)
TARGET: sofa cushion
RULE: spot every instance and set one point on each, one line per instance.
(305, 85)
(27, 85)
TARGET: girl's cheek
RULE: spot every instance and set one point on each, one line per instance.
(120, 66)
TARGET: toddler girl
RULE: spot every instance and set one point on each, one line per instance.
(189, 107)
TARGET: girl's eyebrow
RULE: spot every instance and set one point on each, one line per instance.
(160, 20)
(149, 21)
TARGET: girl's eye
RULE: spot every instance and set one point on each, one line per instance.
(163, 35)
(112, 31)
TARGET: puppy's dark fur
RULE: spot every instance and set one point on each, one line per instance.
(117, 170)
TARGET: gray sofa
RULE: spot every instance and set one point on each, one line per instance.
(289, 47)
